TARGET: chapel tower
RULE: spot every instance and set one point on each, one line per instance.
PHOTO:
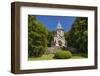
(59, 39)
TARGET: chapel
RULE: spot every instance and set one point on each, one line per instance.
(59, 39)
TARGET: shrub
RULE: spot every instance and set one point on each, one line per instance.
(37, 51)
(63, 55)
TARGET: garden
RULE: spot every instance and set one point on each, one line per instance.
(40, 38)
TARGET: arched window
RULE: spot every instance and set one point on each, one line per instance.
(60, 43)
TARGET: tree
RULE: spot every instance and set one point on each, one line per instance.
(77, 36)
(37, 37)
(50, 38)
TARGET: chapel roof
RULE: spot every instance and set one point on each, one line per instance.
(59, 26)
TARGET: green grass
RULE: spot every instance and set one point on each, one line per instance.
(77, 57)
(44, 57)
(50, 57)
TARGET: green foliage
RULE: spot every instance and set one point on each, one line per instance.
(37, 37)
(63, 55)
(84, 55)
(50, 38)
(77, 36)
(43, 57)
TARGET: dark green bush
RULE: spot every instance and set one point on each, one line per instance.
(63, 55)
(84, 55)
(37, 52)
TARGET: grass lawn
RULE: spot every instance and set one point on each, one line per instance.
(77, 57)
(50, 57)
(44, 57)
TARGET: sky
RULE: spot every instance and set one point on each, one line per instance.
(50, 22)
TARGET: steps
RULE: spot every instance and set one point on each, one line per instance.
(51, 50)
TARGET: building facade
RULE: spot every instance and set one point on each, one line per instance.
(59, 39)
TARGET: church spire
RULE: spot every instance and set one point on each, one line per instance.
(59, 26)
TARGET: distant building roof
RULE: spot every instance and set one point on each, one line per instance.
(59, 26)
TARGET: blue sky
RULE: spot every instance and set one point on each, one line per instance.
(50, 22)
